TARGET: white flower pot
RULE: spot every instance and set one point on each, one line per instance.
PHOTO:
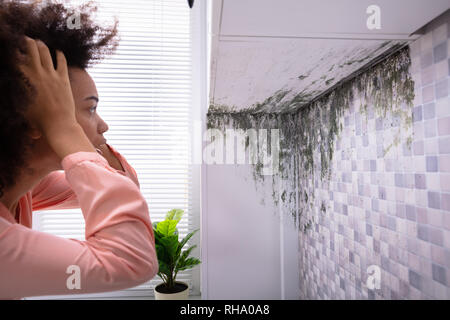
(182, 293)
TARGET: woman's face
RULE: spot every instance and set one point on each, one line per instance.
(86, 99)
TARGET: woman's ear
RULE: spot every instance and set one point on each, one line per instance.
(35, 133)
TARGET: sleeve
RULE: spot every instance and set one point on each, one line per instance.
(119, 251)
(54, 192)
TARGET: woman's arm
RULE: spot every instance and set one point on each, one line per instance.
(54, 192)
(119, 251)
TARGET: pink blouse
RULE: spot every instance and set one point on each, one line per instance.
(119, 251)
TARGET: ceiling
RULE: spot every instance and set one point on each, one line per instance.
(271, 52)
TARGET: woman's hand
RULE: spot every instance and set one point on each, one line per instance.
(53, 109)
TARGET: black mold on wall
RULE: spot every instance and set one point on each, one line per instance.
(308, 133)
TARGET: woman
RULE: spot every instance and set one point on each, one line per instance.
(48, 123)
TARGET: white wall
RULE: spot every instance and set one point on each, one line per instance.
(244, 257)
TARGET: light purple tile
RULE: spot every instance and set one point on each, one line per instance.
(448, 66)
(391, 223)
(432, 163)
(421, 215)
(441, 70)
(373, 165)
(439, 274)
(426, 59)
(365, 140)
(445, 182)
(439, 34)
(426, 42)
(438, 255)
(443, 107)
(444, 145)
(368, 229)
(389, 165)
(376, 246)
(430, 128)
(436, 236)
(444, 163)
(441, 89)
(418, 148)
(415, 279)
(427, 286)
(428, 75)
(383, 222)
(428, 94)
(414, 48)
(418, 131)
(447, 261)
(444, 126)
(381, 193)
(399, 180)
(375, 206)
(440, 52)
(410, 212)
(431, 146)
(420, 181)
(434, 200)
(417, 116)
(422, 232)
(409, 180)
(445, 201)
(428, 111)
(407, 149)
(403, 289)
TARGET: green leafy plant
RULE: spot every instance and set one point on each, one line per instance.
(168, 249)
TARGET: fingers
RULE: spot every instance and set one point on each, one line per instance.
(44, 54)
(39, 54)
(32, 51)
(61, 63)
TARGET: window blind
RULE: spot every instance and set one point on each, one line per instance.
(145, 97)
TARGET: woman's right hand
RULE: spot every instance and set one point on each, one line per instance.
(53, 107)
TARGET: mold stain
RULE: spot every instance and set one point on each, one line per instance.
(329, 81)
(309, 133)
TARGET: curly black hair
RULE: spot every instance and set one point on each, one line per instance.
(51, 22)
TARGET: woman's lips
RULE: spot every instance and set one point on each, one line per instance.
(101, 143)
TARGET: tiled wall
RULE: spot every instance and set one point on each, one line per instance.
(394, 212)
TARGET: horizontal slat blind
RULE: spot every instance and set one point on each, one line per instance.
(145, 94)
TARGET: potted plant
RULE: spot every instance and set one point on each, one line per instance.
(170, 258)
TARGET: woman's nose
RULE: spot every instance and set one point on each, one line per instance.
(103, 127)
